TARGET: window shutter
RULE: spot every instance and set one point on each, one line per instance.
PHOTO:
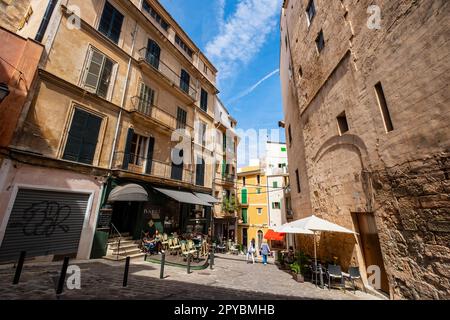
(90, 140)
(94, 69)
(151, 146)
(146, 99)
(83, 137)
(105, 78)
(127, 153)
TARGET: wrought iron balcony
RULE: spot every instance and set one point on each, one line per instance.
(162, 68)
(150, 110)
(142, 165)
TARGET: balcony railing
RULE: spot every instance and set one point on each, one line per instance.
(139, 164)
(229, 178)
(159, 65)
(153, 111)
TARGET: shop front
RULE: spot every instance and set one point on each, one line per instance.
(133, 209)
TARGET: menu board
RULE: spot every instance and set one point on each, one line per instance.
(104, 219)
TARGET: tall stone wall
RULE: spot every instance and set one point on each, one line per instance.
(401, 176)
(414, 226)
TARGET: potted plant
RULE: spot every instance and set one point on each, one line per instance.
(296, 271)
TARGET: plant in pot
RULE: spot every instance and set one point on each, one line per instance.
(296, 270)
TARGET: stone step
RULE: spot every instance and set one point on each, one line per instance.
(123, 243)
(123, 258)
(126, 252)
(116, 239)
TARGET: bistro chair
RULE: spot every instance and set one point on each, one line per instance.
(317, 274)
(165, 241)
(191, 247)
(234, 249)
(354, 274)
(335, 272)
(175, 246)
(185, 251)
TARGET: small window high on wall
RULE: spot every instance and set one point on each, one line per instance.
(384, 107)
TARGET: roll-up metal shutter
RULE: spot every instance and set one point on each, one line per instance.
(44, 222)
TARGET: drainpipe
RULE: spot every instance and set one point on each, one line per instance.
(122, 103)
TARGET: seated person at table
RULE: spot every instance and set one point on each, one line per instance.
(158, 238)
(150, 229)
(149, 244)
(289, 258)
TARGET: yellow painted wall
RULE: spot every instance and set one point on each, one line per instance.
(255, 221)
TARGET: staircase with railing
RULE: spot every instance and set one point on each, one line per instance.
(121, 246)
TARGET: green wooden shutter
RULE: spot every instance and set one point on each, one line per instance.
(127, 152)
(244, 196)
(245, 215)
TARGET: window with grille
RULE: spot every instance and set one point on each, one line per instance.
(181, 118)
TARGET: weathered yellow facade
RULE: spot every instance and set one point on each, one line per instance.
(141, 79)
(253, 198)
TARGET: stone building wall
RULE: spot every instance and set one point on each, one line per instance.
(400, 176)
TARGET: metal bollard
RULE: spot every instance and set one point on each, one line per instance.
(189, 263)
(211, 257)
(163, 261)
(62, 276)
(19, 267)
(125, 274)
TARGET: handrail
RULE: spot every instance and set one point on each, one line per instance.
(120, 238)
(138, 164)
(159, 65)
(156, 112)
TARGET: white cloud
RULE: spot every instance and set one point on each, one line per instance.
(252, 88)
(243, 34)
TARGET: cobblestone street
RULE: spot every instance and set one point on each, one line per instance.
(231, 278)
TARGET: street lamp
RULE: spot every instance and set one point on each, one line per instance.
(4, 91)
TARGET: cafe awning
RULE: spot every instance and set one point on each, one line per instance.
(128, 192)
(206, 197)
(275, 236)
(183, 197)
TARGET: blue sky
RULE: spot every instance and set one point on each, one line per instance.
(241, 37)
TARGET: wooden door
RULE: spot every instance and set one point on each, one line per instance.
(370, 244)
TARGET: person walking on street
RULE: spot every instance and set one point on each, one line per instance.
(251, 250)
(265, 251)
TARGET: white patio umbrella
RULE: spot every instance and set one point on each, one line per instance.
(311, 225)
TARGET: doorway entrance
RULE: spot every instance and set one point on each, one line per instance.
(127, 217)
(370, 244)
(245, 237)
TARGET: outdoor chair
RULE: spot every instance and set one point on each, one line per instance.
(317, 274)
(185, 251)
(221, 247)
(234, 249)
(335, 272)
(354, 274)
(174, 246)
(165, 241)
(191, 247)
